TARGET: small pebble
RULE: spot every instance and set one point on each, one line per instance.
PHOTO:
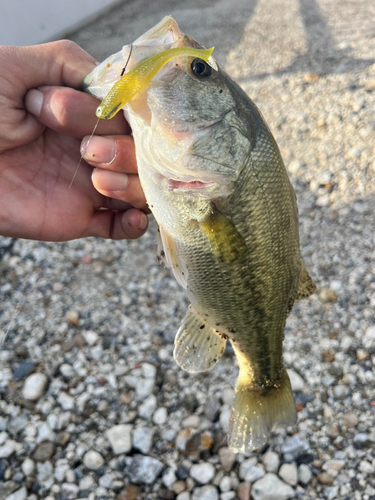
(73, 317)
(93, 460)
(243, 491)
(296, 381)
(142, 439)
(24, 369)
(289, 473)
(185, 495)
(119, 437)
(254, 473)
(20, 494)
(350, 420)
(44, 451)
(28, 466)
(304, 474)
(202, 472)
(270, 487)
(160, 416)
(34, 386)
(207, 492)
(227, 458)
(144, 470)
(131, 492)
(325, 478)
(271, 461)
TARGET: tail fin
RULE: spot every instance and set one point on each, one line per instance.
(256, 412)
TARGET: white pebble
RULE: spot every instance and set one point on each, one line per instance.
(169, 477)
(225, 417)
(144, 387)
(256, 472)
(366, 467)
(66, 370)
(202, 472)
(185, 495)
(289, 473)
(93, 460)
(45, 433)
(8, 448)
(86, 482)
(322, 201)
(191, 421)
(148, 370)
(160, 416)
(20, 494)
(225, 484)
(246, 465)
(207, 492)
(142, 439)
(147, 408)
(120, 438)
(271, 461)
(227, 396)
(28, 466)
(304, 474)
(34, 386)
(296, 381)
(270, 487)
(65, 400)
(90, 337)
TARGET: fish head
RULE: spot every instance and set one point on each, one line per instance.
(187, 121)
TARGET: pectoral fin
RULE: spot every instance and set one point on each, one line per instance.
(167, 255)
(225, 240)
(198, 346)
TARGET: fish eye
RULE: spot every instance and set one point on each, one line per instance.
(200, 68)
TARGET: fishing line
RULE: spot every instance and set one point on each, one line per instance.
(97, 123)
(130, 53)
(79, 163)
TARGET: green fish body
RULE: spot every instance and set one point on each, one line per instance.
(215, 181)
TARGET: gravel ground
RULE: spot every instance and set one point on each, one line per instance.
(92, 404)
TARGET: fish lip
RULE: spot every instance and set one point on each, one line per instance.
(196, 186)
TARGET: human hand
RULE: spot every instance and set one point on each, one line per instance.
(44, 118)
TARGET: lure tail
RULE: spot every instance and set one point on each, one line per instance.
(256, 412)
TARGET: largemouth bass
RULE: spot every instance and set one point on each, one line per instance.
(215, 181)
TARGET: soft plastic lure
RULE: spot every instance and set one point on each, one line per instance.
(138, 77)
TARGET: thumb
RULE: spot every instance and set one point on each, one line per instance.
(61, 63)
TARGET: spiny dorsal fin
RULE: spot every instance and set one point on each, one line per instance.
(306, 285)
(198, 346)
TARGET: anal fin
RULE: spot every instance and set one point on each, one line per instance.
(306, 285)
(198, 346)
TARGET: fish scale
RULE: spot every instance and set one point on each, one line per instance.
(215, 181)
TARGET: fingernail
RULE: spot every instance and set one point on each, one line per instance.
(34, 101)
(98, 149)
(143, 221)
(104, 180)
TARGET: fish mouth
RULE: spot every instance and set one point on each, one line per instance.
(196, 186)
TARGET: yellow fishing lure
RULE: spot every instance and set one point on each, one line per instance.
(138, 77)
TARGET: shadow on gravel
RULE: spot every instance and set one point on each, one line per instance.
(322, 56)
(6, 245)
